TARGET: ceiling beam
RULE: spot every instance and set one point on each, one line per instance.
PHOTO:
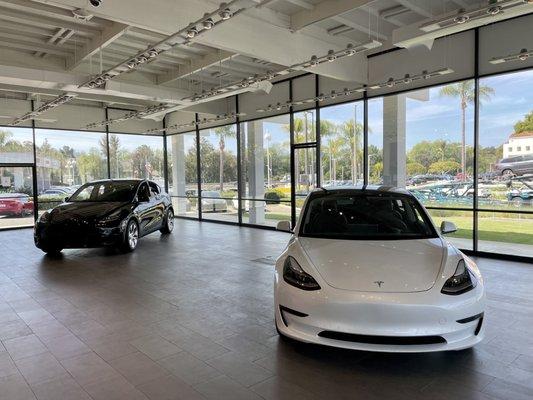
(39, 20)
(57, 35)
(107, 36)
(301, 3)
(361, 28)
(324, 10)
(69, 82)
(247, 34)
(196, 65)
(417, 7)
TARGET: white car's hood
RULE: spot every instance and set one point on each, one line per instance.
(376, 266)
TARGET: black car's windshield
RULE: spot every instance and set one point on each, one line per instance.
(105, 192)
(365, 217)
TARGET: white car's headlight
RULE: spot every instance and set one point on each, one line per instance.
(460, 282)
(294, 275)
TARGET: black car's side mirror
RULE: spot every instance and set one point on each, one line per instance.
(67, 199)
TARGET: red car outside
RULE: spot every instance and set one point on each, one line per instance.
(15, 204)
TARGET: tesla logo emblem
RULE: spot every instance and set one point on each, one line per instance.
(379, 283)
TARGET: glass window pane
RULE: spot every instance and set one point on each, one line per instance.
(217, 208)
(16, 197)
(505, 153)
(183, 173)
(427, 143)
(463, 220)
(185, 206)
(267, 213)
(136, 156)
(265, 149)
(304, 127)
(65, 161)
(375, 141)
(305, 174)
(218, 160)
(506, 233)
(16, 145)
(341, 141)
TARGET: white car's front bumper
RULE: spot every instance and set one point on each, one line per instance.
(381, 321)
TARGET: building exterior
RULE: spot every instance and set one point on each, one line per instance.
(519, 144)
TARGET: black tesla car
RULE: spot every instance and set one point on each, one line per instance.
(106, 213)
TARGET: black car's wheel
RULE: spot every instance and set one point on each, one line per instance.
(51, 250)
(131, 236)
(168, 224)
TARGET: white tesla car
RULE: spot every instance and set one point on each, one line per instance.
(367, 269)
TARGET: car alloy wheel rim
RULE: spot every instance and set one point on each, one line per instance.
(133, 236)
(170, 221)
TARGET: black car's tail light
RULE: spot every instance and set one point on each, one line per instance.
(294, 275)
(460, 282)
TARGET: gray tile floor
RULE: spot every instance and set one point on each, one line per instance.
(190, 317)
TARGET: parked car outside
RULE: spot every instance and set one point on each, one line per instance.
(212, 201)
(15, 204)
(516, 165)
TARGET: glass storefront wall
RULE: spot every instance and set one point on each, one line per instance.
(16, 197)
(505, 164)
(65, 161)
(341, 134)
(137, 156)
(266, 173)
(183, 173)
(422, 140)
(218, 160)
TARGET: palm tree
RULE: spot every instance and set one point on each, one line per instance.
(223, 132)
(352, 132)
(334, 147)
(466, 93)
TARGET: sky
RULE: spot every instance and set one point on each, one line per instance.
(436, 118)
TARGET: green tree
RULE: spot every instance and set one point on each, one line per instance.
(414, 168)
(334, 147)
(525, 125)
(466, 93)
(352, 132)
(444, 167)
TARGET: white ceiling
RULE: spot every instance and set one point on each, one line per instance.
(44, 35)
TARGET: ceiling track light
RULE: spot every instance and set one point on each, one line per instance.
(523, 55)
(208, 23)
(65, 98)
(490, 10)
(181, 37)
(407, 79)
(192, 124)
(313, 61)
(320, 98)
(191, 33)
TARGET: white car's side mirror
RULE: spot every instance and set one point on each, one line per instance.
(447, 227)
(284, 226)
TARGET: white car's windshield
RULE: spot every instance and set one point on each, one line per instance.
(365, 216)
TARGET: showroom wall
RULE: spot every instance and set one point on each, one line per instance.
(439, 136)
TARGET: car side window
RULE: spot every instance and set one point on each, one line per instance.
(144, 193)
(154, 189)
